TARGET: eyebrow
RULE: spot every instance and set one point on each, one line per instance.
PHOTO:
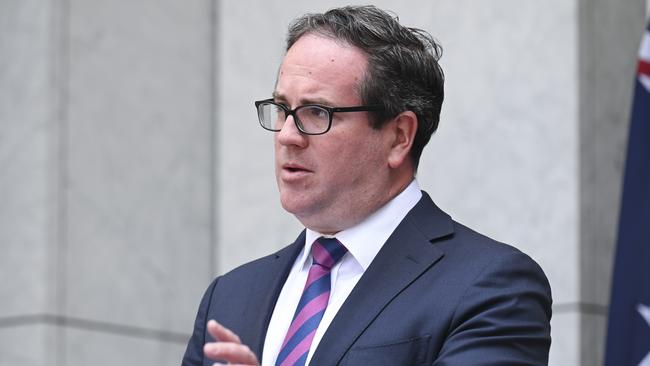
(303, 101)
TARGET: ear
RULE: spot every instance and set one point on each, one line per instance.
(403, 127)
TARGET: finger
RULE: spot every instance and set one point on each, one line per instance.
(230, 352)
(221, 333)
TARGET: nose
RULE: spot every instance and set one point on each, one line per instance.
(290, 135)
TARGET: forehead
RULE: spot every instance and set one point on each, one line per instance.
(320, 68)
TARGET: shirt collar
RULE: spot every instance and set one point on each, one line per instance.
(365, 239)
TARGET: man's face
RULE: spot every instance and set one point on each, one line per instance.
(332, 181)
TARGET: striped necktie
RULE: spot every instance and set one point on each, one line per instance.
(325, 252)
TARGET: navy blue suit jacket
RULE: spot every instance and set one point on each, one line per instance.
(437, 293)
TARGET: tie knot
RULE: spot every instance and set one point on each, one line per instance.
(327, 251)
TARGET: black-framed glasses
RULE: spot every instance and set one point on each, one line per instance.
(310, 119)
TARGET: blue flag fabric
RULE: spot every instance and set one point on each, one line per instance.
(628, 333)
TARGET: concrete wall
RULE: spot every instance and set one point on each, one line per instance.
(132, 168)
(107, 178)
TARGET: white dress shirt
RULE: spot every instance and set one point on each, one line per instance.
(363, 242)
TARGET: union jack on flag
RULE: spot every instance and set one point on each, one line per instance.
(644, 60)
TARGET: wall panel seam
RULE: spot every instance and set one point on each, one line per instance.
(93, 325)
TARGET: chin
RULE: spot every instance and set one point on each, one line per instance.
(300, 207)
(293, 203)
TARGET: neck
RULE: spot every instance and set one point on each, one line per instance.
(398, 183)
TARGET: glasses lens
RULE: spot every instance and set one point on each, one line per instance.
(271, 116)
(313, 119)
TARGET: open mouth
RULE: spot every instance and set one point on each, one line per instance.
(295, 169)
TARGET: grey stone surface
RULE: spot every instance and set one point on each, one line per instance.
(593, 328)
(28, 345)
(28, 164)
(28, 251)
(565, 343)
(139, 178)
(102, 349)
(26, 264)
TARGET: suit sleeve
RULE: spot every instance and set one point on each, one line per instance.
(194, 352)
(503, 318)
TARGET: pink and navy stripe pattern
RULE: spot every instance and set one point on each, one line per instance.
(295, 348)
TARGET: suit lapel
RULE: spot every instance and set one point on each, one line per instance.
(276, 272)
(407, 254)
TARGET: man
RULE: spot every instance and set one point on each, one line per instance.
(380, 276)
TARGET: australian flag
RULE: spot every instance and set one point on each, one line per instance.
(628, 333)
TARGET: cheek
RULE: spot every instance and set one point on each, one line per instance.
(357, 160)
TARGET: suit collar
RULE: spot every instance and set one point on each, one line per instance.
(279, 266)
(430, 220)
(406, 255)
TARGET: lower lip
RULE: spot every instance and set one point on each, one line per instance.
(293, 175)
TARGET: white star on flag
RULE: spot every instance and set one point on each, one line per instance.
(645, 313)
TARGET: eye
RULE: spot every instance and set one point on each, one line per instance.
(318, 112)
(279, 114)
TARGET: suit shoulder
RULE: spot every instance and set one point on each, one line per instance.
(454, 238)
(467, 241)
(480, 254)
